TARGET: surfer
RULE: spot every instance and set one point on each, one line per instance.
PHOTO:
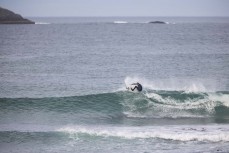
(134, 86)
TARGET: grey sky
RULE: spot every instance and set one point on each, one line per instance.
(118, 7)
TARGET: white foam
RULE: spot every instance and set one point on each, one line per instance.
(120, 22)
(181, 133)
(160, 107)
(184, 104)
(224, 98)
(41, 23)
(212, 133)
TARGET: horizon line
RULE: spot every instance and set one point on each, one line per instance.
(125, 16)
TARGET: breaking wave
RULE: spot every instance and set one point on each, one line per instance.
(183, 133)
(150, 104)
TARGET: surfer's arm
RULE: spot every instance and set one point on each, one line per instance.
(134, 88)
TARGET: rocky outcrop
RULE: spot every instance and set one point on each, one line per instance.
(9, 17)
(158, 22)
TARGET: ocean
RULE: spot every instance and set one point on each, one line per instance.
(63, 85)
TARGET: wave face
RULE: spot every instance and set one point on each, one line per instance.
(121, 121)
(122, 105)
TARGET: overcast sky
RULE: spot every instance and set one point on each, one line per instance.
(51, 8)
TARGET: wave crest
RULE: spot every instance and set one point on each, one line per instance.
(151, 104)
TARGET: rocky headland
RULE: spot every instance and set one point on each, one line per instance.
(9, 17)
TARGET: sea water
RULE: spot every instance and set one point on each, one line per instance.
(62, 85)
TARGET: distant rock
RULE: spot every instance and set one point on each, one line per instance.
(158, 22)
(9, 17)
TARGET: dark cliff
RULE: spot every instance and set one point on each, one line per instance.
(9, 17)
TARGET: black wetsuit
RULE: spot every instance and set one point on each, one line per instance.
(138, 86)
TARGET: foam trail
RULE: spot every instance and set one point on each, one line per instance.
(183, 133)
(210, 133)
